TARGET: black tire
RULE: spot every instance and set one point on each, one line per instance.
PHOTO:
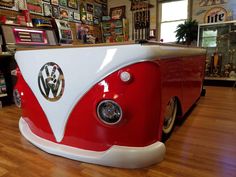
(169, 118)
(203, 92)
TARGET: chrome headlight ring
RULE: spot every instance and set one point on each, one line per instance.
(109, 112)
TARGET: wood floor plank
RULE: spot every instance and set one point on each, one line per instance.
(204, 145)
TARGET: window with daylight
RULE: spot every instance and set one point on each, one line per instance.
(172, 14)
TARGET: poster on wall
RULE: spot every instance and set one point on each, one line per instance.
(63, 3)
(83, 12)
(214, 11)
(89, 8)
(55, 11)
(70, 15)
(47, 9)
(101, 1)
(215, 15)
(35, 6)
(204, 3)
(96, 21)
(89, 17)
(97, 10)
(64, 14)
(7, 3)
(22, 4)
(104, 10)
(55, 2)
(76, 16)
(73, 4)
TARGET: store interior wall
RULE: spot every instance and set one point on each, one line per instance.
(127, 4)
(197, 10)
(14, 11)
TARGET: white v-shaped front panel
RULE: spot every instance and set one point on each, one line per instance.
(82, 68)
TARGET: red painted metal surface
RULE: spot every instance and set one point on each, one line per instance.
(32, 111)
(143, 100)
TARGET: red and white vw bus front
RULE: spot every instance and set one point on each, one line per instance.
(94, 104)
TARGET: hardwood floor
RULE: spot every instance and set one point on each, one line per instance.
(203, 146)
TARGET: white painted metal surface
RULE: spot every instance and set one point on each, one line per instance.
(116, 156)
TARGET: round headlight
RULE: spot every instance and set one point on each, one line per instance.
(109, 112)
(17, 98)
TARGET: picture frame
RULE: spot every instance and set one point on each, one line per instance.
(72, 4)
(7, 3)
(63, 3)
(140, 6)
(64, 14)
(83, 12)
(104, 10)
(90, 8)
(89, 17)
(101, 1)
(35, 6)
(55, 2)
(97, 10)
(70, 15)
(76, 16)
(117, 12)
(96, 20)
(47, 10)
(55, 12)
(22, 5)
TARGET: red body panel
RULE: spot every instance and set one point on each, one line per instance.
(142, 100)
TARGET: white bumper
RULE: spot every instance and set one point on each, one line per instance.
(116, 156)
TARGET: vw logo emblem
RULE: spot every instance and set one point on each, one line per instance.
(51, 81)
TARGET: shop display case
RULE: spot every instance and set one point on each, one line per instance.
(6, 79)
(115, 30)
(220, 41)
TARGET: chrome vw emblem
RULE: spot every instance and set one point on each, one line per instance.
(51, 81)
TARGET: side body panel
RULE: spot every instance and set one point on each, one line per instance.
(182, 77)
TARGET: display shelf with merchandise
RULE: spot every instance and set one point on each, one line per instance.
(7, 81)
(115, 30)
(3, 88)
(220, 41)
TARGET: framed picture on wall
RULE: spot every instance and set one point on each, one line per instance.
(22, 4)
(63, 3)
(55, 12)
(64, 14)
(101, 1)
(76, 16)
(35, 6)
(89, 17)
(55, 2)
(104, 10)
(89, 8)
(96, 21)
(73, 4)
(117, 12)
(70, 15)
(7, 3)
(97, 10)
(47, 9)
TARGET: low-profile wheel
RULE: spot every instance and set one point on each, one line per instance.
(169, 118)
(203, 92)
